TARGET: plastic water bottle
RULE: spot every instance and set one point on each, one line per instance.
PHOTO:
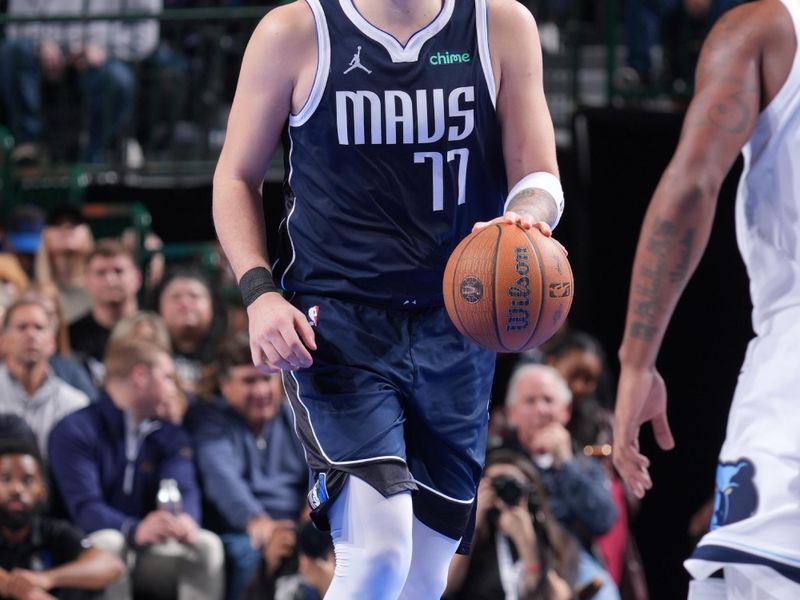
(169, 497)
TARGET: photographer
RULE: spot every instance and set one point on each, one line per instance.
(519, 551)
(297, 564)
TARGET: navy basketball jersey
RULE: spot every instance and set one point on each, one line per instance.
(393, 158)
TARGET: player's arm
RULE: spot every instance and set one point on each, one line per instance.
(529, 148)
(277, 53)
(677, 225)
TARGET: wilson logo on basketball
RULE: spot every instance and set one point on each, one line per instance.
(560, 290)
(471, 289)
(520, 293)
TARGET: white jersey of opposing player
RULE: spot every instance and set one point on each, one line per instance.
(768, 200)
(756, 518)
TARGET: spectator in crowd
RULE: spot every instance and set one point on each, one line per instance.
(538, 405)
(38, 554)
(14, 427)
(61, 361)
(112, 280)
(107, 462)
(295, 564)
(99, 52)
(61, 260)
(580, 360)
(28, 387)
(148, 326)
(519, 550)
(23, 234)
(13, 280)
(251, 463)
(188, 306)
(142, 325)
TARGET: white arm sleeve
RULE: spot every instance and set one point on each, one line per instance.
(544, 181)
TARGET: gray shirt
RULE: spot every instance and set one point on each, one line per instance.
(54, 400)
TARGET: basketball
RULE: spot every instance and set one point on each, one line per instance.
(506, 288)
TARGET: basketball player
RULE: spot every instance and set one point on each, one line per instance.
(747, 98)
(407, 121)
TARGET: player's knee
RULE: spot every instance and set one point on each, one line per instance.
(378, 569)
(392, 561)
(388, 565)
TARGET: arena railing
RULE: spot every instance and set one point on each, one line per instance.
(177, 123)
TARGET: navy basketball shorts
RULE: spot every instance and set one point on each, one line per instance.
(399, 399)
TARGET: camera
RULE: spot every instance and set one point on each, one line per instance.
(509, 489)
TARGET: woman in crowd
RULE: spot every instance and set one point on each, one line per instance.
(519, 550)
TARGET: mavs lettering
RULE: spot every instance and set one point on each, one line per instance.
(397, 117)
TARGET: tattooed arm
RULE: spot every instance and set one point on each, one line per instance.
(528, 138)
(678, 222)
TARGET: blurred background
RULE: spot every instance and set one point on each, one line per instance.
(116, 109)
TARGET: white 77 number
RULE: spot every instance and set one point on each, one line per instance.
(437, 163)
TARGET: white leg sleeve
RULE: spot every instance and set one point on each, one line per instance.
(430, 561)
(372, 538)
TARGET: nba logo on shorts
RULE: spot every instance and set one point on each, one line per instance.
(735, 496)
(313, 315)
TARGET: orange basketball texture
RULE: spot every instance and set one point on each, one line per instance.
(507, 289)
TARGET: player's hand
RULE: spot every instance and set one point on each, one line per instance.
(641, 397)
(524, 221)
(280, 335)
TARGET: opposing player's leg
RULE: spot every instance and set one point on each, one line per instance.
(757, 582)
(372, 538)
(755, 524)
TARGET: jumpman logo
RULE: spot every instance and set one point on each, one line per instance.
(355, 63)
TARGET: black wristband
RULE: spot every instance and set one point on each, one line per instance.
(254, 283)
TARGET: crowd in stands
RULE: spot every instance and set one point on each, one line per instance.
(140, 391)
(147, 89)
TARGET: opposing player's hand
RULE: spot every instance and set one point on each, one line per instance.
(641, 397)
(524, 221)
(280, 335)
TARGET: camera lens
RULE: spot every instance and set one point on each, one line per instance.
(508, 489)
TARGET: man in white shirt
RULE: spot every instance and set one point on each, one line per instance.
(27, 385)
